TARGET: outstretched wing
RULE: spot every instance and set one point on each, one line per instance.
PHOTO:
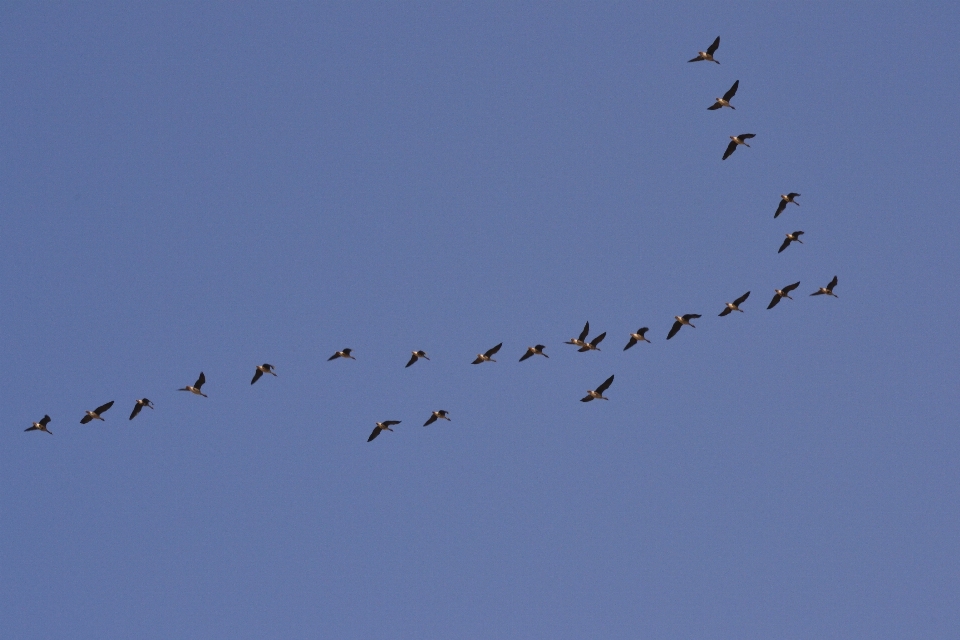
(732, 91)
(598, 339)
(46, 419)
(780, 207)
(739, 301)
(632, 342)
(477, 361)
(792, 196)
(606, 385)
(832, 284)
(413, 358)
(200, 381)
(773, 303)
(334, 356)
(136, 409)
(376, 432)
(730, 149)
(747, 136)
(256, 376)
(103, 408)
(726, 311)
(791, 287)
(492, 351)
(786, 243)
(430, 420)
(588, 398)
(586, 330)
(529, 353)
(714, 106)
(390, 423)
(673, 330)
(690, 316)
(712, 48)
(85, 419)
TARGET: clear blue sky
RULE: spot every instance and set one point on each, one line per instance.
(190, 187)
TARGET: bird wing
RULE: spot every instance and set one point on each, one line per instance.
(712, 48)
(477, 361)
(730, 149)
(334, 356)
(773, 303)
(780, 207)
(46, 419)
(732, 91)
(747, 136)
(586, 330)
(606, 385)
(376, 432)
(742, 299)
(390, 423)
(797, 234)
(529, 353)
(792, 196)
(832, 284)
(697, 59)
(256, 376)
(493, 351)
(714, 106)
(726, 311)
(200, 381)
(791, 287)
(413, 358)
(786, 243)
(818, 292)
(136, 410)
(598, 339)
(642, 330)
(690, 316)
(673, 330)
(103, 407)
(632, 342)
(31, 428)
(85, 419)
(430, 420)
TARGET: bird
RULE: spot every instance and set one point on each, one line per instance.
(416, 356)
(487, 355)
(141, 403)
(735, 141)
(827, 290)
(342, 354)
(735, 305)
(437, 415)
(782, 293)
(597, 394)
(725, 100)
(592, 345)
(785, 199)
(583, 336)
(40, 426)
(680, 321)
(95, 414)
(534, 351)
(708, 54)
(791, 237)
(262, 369)
(637, 337)
(196, 386)
(382, 426)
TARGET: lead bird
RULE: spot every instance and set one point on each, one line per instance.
(708, 54)
(583, 336)
(725, 100)
(534, 351)
(40, 426)
(785, 199)
(680, 321)
(437, 415)
(597, 394)
(342, 354)
(195, 389)
(735, 305)
(382, 426)
(637, 337)
(487, 356)
(736, 141)
(262, 369)
(592, 345)
(416, 355)
(141, 403)
(95, 414)
(782, 293)
(791, 237)
(827, 290)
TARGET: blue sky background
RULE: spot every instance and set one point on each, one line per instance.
(208, 187)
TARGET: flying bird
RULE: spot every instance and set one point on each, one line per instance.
(708, 54)
(487, 356)
(725, 100)
(40, 426)
(637, 337)
(416, 356)
(827, 290)
(342, 354)
(791, 237)
(785, 199)
(597, 394)
(680, 321)
(583, 336)
(534, 351)
(95, 414)
(736, 141)
(262, 369)
(382, 426)
(592, 345)
(782, 293)
(437, 415)
(141, 403)
(196, 386)
(735, 305)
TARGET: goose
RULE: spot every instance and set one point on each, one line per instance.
(40, 426)
(95, 414)
(262, 369)
(827, 290)
(791, 237)
(583, 336)
(437, 415)
(637, 337)
(196, 386)
(597, 394)
(735, 305)
(342, 354)
(534, 351)
(592, 345)
(736, 141)
(725, 100)
(782, 293)
(680, 321)
(708, 54)
(382, 426)
(141, 403)
(785, 199)
(487, 356)
(416, 356)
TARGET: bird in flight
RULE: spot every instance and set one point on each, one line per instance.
(583, 336)
(382, 426)
(416, 356)
(827, 290)
(735, 305)
(782, 293)
(725, 100)
(342, 354)
(637, 337)
(736, 141)
(791, 237)
(196, 386)
(40, 426)
(597, 394)
(141, 403)
(437, 415)
(785, 199)
(534, 351)
(592, 345)
(262, 369)
(708, 54)
(487, 356)
(95, 414)
(680, 321)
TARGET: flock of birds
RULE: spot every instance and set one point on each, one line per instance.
(580, 341)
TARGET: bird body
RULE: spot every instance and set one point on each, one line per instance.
(708, 54)
(141, 403)
(40, 426)
(262, 369)
(680, 321)
(592, 345)
(735, 305)
(487, 356)
(583, 336)
(416, 355)
(736, 141)
(342, 354)
(785, 199)
(637, 337)
(791, 237)
(827, 290)
(782, 293)
(95, 414)
(725, 100)
(597, 394)
(195, 389)
(382, 426)
(534, 351)
(437, 415)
